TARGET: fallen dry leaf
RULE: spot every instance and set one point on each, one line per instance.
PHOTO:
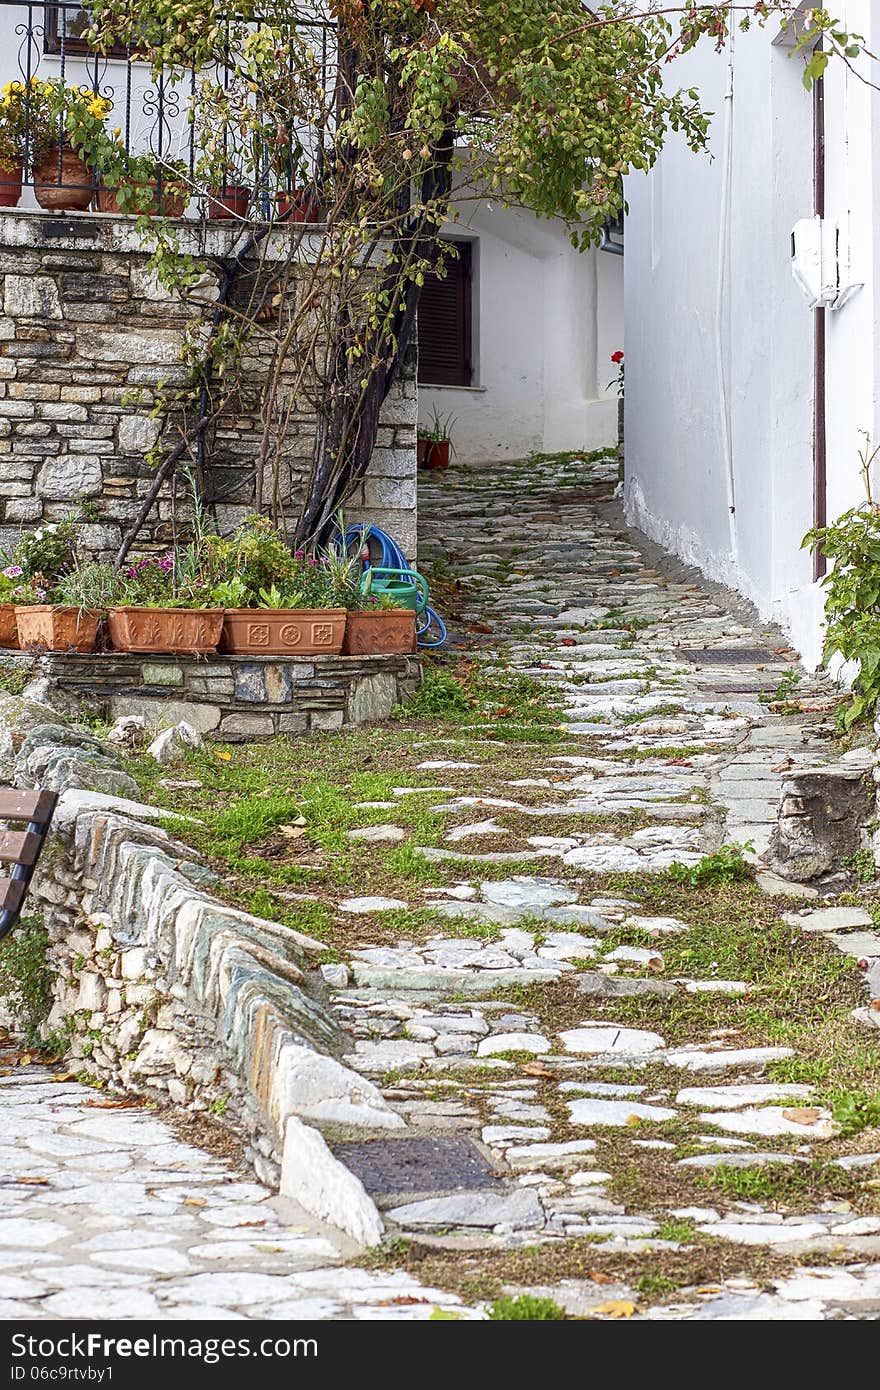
(616, 1308)
(195, 1201)
(115, 1103)
(63, 1076)
(222, 755)
(537, 1069)
(598, 1277)
(802, 1115)
(25, 1059)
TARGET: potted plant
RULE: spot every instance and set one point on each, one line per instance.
(227, 200)
(435, 441)
(11, 578)
(50, 614)
(47, 620)
(142, 184)
(278, 603)
(66, 127)
(161, 604)
(13, 142)
(380, 626)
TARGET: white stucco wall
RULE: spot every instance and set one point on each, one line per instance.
(716, 327)
(546, 320)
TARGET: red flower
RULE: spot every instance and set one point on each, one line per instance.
(616, 357)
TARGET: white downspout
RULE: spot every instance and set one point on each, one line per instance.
(721, 365)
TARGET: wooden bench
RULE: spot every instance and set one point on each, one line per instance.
(20, 849)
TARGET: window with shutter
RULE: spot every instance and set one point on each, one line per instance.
(445, 323)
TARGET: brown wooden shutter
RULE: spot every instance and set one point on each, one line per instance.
(445, 323)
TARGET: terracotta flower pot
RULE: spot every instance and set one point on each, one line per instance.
(68, 187)
(50, 627)
(10, 187)
(8, 628)
(301, 203)
(380, 632)
(165, 629)
(432, 453)
(233, 203)
(172, 202)
(284, 631)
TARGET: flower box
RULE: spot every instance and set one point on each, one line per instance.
(165, 629)
(284, 631)
(51, 627)
(391, 632)
(8, 627)
(234, 201)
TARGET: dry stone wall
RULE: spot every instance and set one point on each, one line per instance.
(84, 325)
(165, 990)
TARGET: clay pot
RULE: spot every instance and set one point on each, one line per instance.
(233, 203)
(432, 453)
(10, 187)
(165, 629)
(8, 628)
(52, 628)
(301, 203)
(172, 202)
(387, 632)
(68, 189)
(284, 631)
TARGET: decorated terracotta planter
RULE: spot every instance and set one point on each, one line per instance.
(10, 187)
(382, 633)
(64, 184)
(8, 627)
(284, 631)
(233, 202)
(51, 628)
(171, 203)
(165, 629)
(432, 453)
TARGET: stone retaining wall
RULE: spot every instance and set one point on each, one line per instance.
(233, 698)
(165, 990)
(83, 325)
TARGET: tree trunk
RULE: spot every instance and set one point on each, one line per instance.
(347, 430)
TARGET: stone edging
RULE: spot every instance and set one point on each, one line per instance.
(166, 991)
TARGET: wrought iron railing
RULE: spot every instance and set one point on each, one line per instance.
(151, 111)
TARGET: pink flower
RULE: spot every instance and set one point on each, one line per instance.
(616, 357)
(13, 571)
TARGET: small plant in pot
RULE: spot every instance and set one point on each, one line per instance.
(11, 579)
(141, 184)
(435, 441)
(277, 603)
(162, 604)
(66, 128)
(59, 600)
(13, 142)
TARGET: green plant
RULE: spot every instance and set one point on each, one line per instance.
(726, 865)
(526, 1307)
(855, 1112)
(63, 114)
(788, 684)
(863, 866)
(651, 1283)
(852, 591)
(13, 127)
(439, 431)
(26, 979)
(90, 587)
(48, 553)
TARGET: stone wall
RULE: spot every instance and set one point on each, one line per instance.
(84, 324)
(233, 698)
(163, 989)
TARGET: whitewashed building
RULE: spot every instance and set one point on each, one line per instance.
(744, 405)
(515, 342)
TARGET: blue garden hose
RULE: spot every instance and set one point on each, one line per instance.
(430, 627)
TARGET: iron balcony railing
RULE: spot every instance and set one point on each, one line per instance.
(154, 112)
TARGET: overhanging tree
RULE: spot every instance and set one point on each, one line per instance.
(544, 104)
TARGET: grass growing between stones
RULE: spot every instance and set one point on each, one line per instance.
(26, 978)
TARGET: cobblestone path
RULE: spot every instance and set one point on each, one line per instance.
(610, 1104)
